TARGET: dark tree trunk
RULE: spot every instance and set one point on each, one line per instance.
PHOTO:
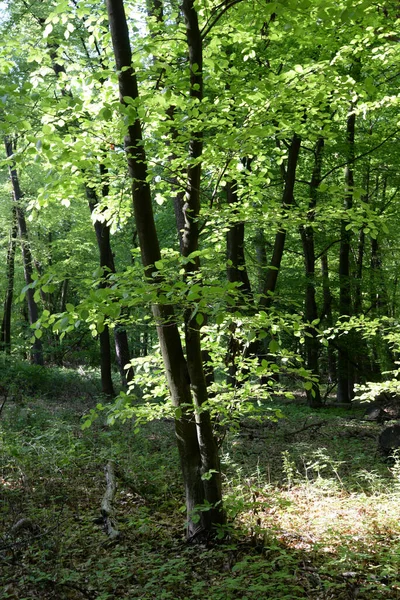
(6, 322)
(102, 231)
(345, 389)
(311, 312)
(197, 450)
(378, 291)
(280, 237)
(327, 316)
(63, 294)
(261, 256)
(37, 350)
(236, 273)
(257, 348)
(236, 263)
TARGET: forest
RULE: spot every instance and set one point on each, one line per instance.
(200, 271)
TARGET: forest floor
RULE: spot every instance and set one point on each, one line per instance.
(313, 507)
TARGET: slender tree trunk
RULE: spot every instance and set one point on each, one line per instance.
(345, 391)
(37, 350)
(6, 322)
(271, 278)
(261, 256)
(102, 231)
(185, 378)
(236, 273)
(280, 237)
(326, 315)
(311, 313)
(378, 292)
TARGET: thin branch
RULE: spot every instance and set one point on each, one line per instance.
(327, 248)
(208, 26)
(359, 156)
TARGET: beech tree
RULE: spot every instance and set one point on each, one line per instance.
(260, 155)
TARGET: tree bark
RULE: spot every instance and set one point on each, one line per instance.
(102, 231)
(185, 377)
(236, 263)
(33, 312)
(326, 314)
(345, 389)
(311, 312)
(280, 237)
(6, 322)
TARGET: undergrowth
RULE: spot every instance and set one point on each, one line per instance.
(312, 506)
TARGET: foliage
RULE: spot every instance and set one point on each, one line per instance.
(332, 530)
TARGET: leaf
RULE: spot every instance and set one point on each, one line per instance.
(47, 30)
(273, 346)
(199, 318)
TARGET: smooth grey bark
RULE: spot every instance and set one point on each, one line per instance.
(33, 312)
(186, 382)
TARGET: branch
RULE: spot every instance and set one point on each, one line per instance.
(327, 248)
(208, 26)
(290, 434)
(345, 164)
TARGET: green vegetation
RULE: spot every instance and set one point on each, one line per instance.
(312, 514)
(199, 229)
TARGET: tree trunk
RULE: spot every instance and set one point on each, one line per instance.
(6, 322)
(102, 231)
(198, 453)
(236, 263)
(287, 201)
(37, 350)
(327, 315)
(236, 273)
(311, 313)
(345, 389)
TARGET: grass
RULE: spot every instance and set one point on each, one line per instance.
(313, 508)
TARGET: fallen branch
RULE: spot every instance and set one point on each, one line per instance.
(23, 524)
(311, 425)
(107, 510)
(128, 481)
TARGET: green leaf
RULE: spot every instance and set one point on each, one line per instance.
(273, 346)
(199, 318)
